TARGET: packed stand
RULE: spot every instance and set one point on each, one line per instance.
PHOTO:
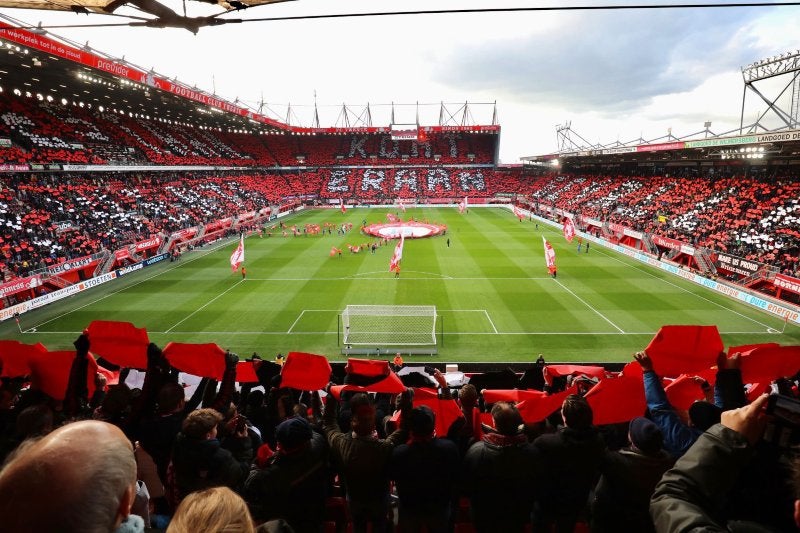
(379, 446)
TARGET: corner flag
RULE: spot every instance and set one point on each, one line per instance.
(342, 206)
(237, 257)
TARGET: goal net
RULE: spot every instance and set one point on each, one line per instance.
(389, 325)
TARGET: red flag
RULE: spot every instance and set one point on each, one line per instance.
(684, 391)
(246, 372)
(204, 360)
(50, 372)
(551, 371)
(16, 356)
(617, 399)
(569, 229)
(397, 256)
(766, 363)
(511, 395)
(376, 374)
(517, 212)
(342, 206)
(305, 371)
(119, 343)
(402, 206)
(463, 205)
(549, 256)
(537, 409)
(677, 350)
(446, 411)
(237, 257)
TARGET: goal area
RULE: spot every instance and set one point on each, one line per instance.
(382, 329)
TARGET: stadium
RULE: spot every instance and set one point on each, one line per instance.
(138, 209)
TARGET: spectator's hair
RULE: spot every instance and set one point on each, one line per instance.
(170, 397)
(117, 400)
(216, 509)
(577, 412)
(362, 418)
(198, 423)
(34, 421)
(506, 417)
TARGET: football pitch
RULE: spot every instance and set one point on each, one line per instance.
(494, 297)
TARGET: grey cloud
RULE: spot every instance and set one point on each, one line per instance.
(609, 62)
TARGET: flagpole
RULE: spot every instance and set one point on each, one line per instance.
(16, 317)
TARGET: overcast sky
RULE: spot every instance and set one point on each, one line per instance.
(614, 75)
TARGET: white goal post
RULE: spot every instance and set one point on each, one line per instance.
(389, 325)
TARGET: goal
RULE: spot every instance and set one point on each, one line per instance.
(381, 327)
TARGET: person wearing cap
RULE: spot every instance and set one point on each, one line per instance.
(570, 459)
(678, 436)
(500, 474)
(629, 477)
(292, 484)
(425, 470)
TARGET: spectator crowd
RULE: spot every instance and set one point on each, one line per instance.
(381, 447)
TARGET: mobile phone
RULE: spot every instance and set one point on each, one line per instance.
(783, 426)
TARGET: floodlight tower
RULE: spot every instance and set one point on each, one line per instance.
(786, 66)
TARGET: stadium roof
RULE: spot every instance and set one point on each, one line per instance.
(161, 16)
(49, 67)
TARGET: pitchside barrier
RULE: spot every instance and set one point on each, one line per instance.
(388, 329)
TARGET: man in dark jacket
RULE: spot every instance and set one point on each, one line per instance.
(362, 459)
(200, 461)
(622, 496)
(571, 459)
(500, 473)
(696, 493)
(293, 484)
(424, 471)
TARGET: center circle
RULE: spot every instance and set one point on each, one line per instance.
(409, 230)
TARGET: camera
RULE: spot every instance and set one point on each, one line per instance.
(783, 426)
(241, 424)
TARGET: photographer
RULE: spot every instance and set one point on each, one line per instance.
(729, 480)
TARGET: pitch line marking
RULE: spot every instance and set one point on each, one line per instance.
(684, 289)
(386, 278)
(139, 282)
(601, 315)
(289, 332)
(490, 321)
(212, 300)
(452, 333)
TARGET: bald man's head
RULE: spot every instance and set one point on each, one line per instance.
(79, 478)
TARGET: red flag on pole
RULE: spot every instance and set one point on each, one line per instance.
(518, 212)
(549, 256)
(463, 205)
(237, 257)
(402, 206)
(342, 206)
(569, 229)
(397, 256)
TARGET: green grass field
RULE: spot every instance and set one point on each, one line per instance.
(491, 288)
